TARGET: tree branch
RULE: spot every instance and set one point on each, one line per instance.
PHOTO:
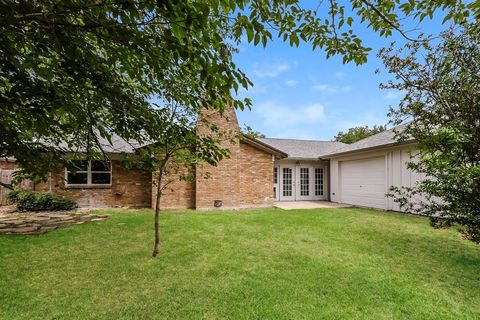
(6, 185)
(386, 20)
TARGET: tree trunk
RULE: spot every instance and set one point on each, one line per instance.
(156, 247)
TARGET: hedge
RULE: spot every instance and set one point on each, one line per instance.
(27, 200)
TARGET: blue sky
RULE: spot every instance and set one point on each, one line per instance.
(299, 94)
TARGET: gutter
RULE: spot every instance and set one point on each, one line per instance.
(263, 146)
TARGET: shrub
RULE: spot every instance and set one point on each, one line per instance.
(26, 200)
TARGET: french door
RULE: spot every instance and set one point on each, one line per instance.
(304, 185)
(319, 183)
(300, 182)
(287, 183)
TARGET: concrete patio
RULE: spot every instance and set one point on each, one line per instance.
(292, 205)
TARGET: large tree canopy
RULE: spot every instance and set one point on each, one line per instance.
(358, 133)
(442, 105)
(75, 71)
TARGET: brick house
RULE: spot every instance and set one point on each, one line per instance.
(257, 173)
(243, 180)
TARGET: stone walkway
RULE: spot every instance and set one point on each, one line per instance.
(42, 222)
(292, 205)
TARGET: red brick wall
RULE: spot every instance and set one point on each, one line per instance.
(6, 170)
(7, 164)
(130, 188)
(223, 180)
(178, 194)
(256, 177)
(242, 180)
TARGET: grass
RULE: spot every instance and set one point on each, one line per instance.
(258, 264)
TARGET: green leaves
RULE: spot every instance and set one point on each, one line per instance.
(75, 70)
(358, 133)
(441, 103)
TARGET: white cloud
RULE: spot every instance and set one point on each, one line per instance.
(291, 82)
(270, 69)
(394, 95)
(330, 89)
(280, 118)
(364, 119)
(314, 112)
(324, 88)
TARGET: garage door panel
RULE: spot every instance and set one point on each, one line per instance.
(362, 182)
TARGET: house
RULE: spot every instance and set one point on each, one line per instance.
(241, 181)
(257, 173)
(303, 174)
(359, 174)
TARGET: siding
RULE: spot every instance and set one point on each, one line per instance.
(394, 172)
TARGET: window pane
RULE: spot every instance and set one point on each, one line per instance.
(287, 182)
(304, 182)
(77, 178)
(99, 165)
(78, 165)
(319, 181)
(100, 178)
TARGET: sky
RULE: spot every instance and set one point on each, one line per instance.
(299, 94)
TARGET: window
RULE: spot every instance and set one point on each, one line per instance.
(319, 181)
(84, 172)
(287, 182)
(304, 182)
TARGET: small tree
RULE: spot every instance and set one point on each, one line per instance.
(175, 150)
(442, 105)
(358, 133)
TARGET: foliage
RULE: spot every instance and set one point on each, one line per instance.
(75, 72)
(358, 133)
(249, 132)
(442, 86)
(343, 263)
(27, 200)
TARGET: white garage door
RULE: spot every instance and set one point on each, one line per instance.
(362, 182)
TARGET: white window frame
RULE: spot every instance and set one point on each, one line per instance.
(89, 177)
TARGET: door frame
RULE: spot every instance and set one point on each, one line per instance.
(281, 180)
(296, 180)
(276, 182)
(298, 186)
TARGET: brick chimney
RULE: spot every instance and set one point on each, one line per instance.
(221, 188)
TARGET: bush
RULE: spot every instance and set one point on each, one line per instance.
(26, 200)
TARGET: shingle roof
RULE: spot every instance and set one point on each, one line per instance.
(382, 139)
(303, 149)
(256, 143)
(118, 145)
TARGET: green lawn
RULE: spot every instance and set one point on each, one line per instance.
(257, 264)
